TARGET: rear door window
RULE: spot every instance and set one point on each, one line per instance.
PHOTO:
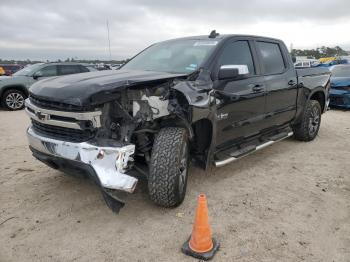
(69, 69)
(271, 56)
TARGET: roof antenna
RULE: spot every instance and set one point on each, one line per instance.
(213, 34)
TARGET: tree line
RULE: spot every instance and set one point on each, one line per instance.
(323, 51)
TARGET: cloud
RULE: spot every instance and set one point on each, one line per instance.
(39, 29)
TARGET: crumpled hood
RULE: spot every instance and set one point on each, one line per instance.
(95, 87)
(340, 81)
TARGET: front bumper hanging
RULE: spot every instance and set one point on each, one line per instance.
(108, 163)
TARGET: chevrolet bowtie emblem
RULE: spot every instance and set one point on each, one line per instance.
(41, 116)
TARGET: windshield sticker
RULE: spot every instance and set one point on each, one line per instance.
(204, 43)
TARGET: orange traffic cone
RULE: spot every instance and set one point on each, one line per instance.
(201, 245)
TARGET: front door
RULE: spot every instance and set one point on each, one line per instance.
(240, 102)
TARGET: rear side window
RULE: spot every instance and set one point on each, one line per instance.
(237, 53)
(272, 58)
(84, 69)
(69, 69)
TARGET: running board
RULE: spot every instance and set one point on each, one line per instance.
(270, 142)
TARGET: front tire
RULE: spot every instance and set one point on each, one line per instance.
(307, 130)
(13, 99)
(167, 179)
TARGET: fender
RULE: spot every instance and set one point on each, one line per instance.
(199, 96)
(14, 86)
(304, 96)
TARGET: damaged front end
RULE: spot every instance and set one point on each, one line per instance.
(110, 140)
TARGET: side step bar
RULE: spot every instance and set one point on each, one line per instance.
(231, 159)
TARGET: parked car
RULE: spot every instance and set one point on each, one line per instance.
(116, 66)
(14, 89)
(103, 66)
(340, 86)
(210, 99)
(10, 69)
(332, 63)
(305, 63)
(2, 71)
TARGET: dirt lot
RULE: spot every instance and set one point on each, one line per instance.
(288, 202)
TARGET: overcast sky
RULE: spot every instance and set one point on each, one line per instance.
(53, 29)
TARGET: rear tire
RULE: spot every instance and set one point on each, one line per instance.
(167, 179)
(307, 130)
(13, 99)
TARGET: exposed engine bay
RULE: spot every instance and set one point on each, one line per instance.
(137, 114)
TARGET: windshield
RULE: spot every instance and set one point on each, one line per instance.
(341, 71)
(176, 56)
(28, 70)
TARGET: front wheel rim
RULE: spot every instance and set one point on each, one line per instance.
(314, 121)
(14, 100)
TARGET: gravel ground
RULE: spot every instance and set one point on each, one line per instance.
(288, 202)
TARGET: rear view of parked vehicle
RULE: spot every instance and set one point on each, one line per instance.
(14, 89)
(340, 86)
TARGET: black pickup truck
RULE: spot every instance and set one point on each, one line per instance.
(206, 100)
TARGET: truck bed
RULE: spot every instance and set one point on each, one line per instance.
(312, 71)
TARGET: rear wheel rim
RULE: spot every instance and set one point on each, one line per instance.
(183, 169)
(14, 100)
(314, 121)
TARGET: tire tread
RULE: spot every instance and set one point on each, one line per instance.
(164, 167)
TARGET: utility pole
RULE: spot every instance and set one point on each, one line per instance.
(109, 42)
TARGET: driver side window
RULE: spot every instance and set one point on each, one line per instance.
(237, 53)
(48, 71)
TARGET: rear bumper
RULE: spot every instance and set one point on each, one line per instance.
(108, 163)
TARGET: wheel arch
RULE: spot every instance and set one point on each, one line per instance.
(16, 87)
(319, 95)
(203, 134)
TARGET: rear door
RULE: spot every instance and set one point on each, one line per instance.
(280, 80)
(240, 103)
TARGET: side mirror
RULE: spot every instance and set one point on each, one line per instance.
(232, 71)
(37, 74)
(294, 59)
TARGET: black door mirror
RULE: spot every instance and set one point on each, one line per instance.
(233, 71)
(38, 74)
